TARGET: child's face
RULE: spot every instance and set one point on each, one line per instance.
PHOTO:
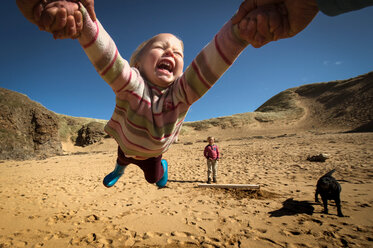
(163, 60)
(211, 141)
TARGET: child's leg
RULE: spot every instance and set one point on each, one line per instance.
(155, 170)
(214, 170)
(152, 168)
(118, 171)
(209, 170)
(162, 182)
(113, 176)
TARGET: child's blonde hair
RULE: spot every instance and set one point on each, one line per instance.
(136, 55)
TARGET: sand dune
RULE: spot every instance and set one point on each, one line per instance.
(61, 202)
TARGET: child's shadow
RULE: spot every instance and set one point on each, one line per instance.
(293, 207)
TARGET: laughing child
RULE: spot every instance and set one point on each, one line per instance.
(153, 94)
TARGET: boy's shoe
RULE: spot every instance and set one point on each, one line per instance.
(209, 181)
(214, 180)
(113, 177)
(163, 181)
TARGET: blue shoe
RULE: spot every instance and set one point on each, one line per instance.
(162, 182)
(113, 177)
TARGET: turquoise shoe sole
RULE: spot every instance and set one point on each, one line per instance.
(163, 181)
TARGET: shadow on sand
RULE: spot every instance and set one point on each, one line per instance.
(186, 181)
(293, 207)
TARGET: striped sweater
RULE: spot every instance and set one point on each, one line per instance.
(147, 119)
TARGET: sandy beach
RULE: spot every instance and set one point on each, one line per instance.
(61, 202)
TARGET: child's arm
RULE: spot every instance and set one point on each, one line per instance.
(105, 57)
(217, 56)
(96, 42)
(205, 154)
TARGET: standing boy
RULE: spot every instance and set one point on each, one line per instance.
(212, 155)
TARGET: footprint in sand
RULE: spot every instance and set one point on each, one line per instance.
(91, 218)
(91, 239)
(61, 217)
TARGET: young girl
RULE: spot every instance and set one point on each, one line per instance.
(153, 94)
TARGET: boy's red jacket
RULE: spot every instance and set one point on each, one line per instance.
(211, 151)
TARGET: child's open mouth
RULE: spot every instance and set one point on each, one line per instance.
(165, 66)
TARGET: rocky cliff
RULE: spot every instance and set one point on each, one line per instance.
(27, 129)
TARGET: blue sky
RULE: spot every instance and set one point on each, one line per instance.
(57, 73)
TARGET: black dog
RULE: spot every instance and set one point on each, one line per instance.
(329, 189)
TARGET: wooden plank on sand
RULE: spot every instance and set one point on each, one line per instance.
(229, 186)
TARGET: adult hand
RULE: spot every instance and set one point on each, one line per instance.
(27, 9)
(59, 21)
(62, 18)
(264, 24)
(299, 13)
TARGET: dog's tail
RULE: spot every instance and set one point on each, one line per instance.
(329, 173)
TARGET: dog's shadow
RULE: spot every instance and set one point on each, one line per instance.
(293, 207)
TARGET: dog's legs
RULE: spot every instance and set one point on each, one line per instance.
(338, 203)
(325, 202)
(316, 196)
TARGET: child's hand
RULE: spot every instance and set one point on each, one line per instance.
(62, 18)
(264, 24)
